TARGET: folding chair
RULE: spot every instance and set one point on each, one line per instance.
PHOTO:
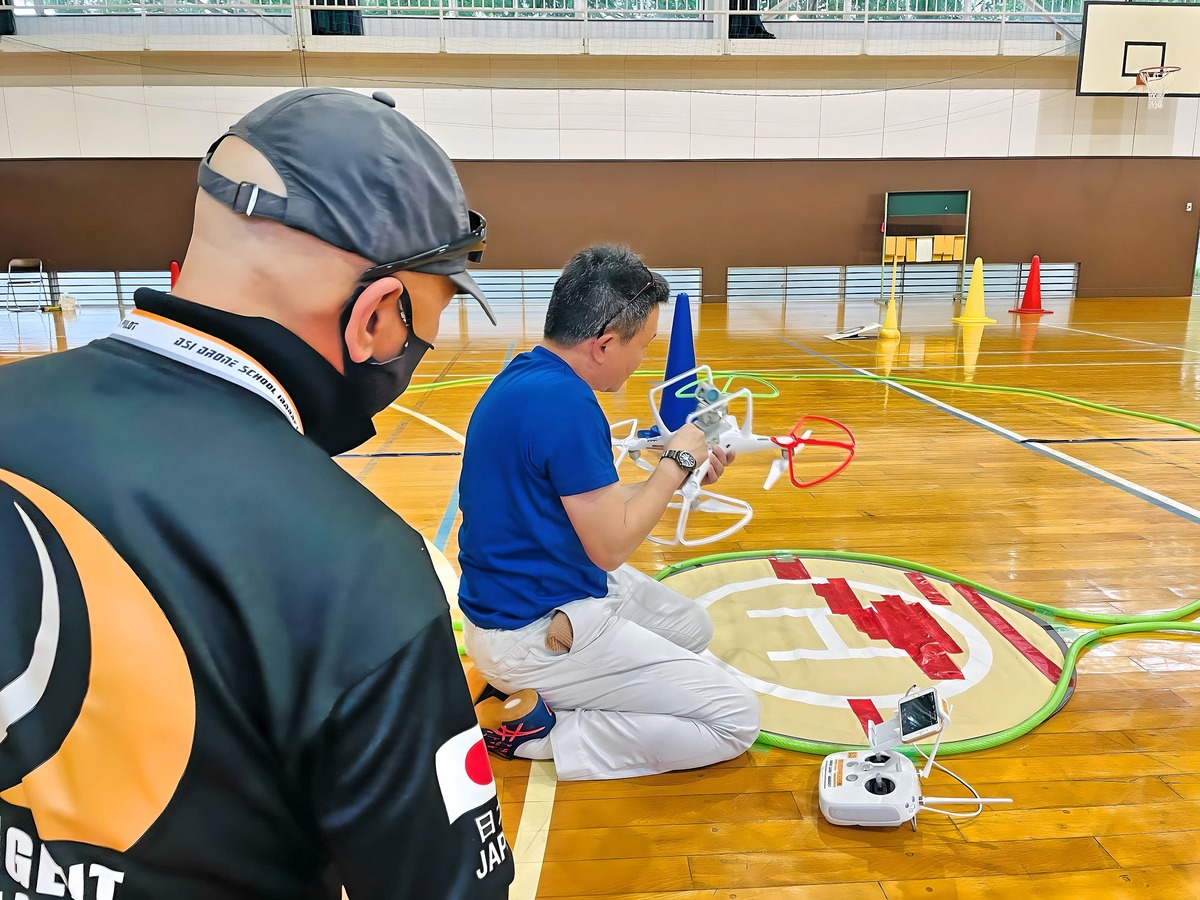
(24, 273)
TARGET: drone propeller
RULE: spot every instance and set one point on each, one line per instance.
(719, 507)
(636, 456)
(778, 467)
(624, 444)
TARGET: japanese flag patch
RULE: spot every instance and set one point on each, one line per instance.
(464, 773)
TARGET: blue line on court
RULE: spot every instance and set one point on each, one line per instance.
(1128, 487)
(443, 533)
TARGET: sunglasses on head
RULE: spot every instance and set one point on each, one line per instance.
(624, 306)
(473, 245)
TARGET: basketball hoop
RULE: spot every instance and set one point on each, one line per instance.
(1157, 80)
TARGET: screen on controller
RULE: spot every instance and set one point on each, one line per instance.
(918, 714)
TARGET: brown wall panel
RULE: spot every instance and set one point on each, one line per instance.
(97, 214)
(131, 214)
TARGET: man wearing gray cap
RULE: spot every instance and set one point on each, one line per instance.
(226, 669)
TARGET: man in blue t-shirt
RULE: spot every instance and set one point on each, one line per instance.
(602, 663)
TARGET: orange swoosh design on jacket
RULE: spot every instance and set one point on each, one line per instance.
(120, 764)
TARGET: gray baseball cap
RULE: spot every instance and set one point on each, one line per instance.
(362, 177)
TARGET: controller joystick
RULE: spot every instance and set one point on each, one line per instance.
(880, 786)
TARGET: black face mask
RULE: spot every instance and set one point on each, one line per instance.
(379, 384)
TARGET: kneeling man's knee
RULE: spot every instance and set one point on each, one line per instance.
(702, 631)
(738, 716)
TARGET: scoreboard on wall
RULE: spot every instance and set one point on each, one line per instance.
(926, 227)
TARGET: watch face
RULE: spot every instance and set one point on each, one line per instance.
(687, 460)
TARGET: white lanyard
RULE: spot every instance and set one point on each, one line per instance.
(206, 353)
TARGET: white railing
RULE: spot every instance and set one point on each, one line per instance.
(813, 283)
(839, 10)
(510, 286)
(84, 288)
(916, 27)
(103, 289)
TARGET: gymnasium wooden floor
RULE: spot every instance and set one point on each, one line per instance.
(1107, 792)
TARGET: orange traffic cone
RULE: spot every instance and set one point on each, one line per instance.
(1028, 327)
(174, 273)
(1031, 303)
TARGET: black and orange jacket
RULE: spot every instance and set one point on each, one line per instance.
(226, 668)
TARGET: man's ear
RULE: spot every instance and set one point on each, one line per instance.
(602, 345)
(364, 317)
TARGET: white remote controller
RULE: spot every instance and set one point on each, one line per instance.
(881, 787)
(869, 787)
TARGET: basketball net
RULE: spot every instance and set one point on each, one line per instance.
(1157, 80)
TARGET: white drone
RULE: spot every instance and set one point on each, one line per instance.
(712, 416)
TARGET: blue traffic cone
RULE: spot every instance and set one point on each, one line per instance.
(681, 356)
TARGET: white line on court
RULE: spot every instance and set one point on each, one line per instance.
(1132, 487)
(1103, 474)
(428, 421)
(1117, 337)
(530, 850)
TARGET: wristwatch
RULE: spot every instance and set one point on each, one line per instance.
(683, 459)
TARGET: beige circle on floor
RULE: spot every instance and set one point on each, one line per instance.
(829, 645)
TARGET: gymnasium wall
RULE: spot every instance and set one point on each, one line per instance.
(703, 161)
(593, 107)
(855, 118)
(1123, 219)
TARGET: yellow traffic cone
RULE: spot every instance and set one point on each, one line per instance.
(972, 338)
(885, 354)
(973, 314)
(890, 329)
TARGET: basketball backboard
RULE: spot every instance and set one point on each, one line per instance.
(1120, 38)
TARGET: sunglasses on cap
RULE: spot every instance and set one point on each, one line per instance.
(473, 245)
(624, 306)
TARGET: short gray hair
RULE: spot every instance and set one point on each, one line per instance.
(604, 288)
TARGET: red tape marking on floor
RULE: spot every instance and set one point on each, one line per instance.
(840, 598)
(789, 569)
(922, 626)
(905, 626)
(921, 583)
(912, 629)
(867, 712)
(1036, 657)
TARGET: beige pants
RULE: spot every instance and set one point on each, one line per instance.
(632, 695)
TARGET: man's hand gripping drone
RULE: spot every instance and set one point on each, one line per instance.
(712, 416)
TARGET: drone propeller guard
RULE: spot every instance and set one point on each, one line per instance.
(796, 440)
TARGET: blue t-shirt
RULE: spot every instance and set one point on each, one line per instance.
(537, 435)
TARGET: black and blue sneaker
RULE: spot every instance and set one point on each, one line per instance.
(507, 724)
